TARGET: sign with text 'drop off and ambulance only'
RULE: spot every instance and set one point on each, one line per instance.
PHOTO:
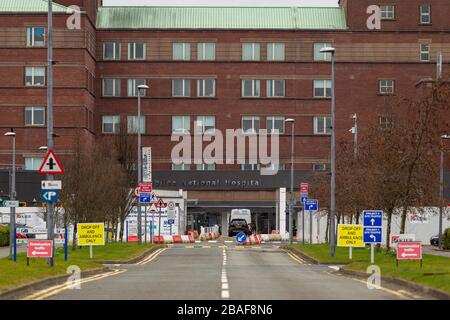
(91, 234)
(350, 235)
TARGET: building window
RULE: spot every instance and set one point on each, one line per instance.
(386, 122)
(206, 88)
(133, 87)
(136, 51)
(132, 124)
(387, 12)
(35, 36)
(322, 125)
(206, 51)
(34, 116)
(321, 56)
(275, 51)
(251, 88)
(206, 167)
(387, 86)
(250, 124)
(181, 51)
(250, 167)
(111, 87)
(275, 88)
(111, 124)
(319, 167)
(251, 51)
(181, 88)
(425, 52)
(33, 164)
(181, 124)
(35, 76)
(322, 88)
(181, 167)
(111, 51)
(275, 125)
(206, 124)
(425, 14)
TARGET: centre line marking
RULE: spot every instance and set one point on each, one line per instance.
(225, 293)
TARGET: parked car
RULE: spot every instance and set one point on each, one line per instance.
(434, 241)
(236, 226)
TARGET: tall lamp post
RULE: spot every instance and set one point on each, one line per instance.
(291, 201)
(354, 130)
(12, 219)
(332, 51)
(139, 160)
(441, 189)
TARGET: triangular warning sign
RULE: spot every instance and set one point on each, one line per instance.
(153, 208)
(161, 204)
(51, 165)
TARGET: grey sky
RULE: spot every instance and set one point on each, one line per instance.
(222, 2)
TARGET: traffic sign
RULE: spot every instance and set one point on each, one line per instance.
(91, 234)
(147, 164)
(40, 249)
(350, 235)
(373, 218)
(241, 237)
(11, 204)
(171, 221)
(409, 251)
(153, 208)
(304, 188)
(50, 196)
(51, 185)
(303, 198)
(145, 198)
(51, 165)
(146, 188)
(171, 205)
(373, 235)
(160, 204)
(312, 205)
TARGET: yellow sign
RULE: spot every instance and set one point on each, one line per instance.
(91, 234)
(350, 235)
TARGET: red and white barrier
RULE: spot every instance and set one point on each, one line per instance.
(253, 239)
(173, 239)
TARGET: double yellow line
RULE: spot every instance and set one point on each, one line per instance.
(295, 258)
(46, 293)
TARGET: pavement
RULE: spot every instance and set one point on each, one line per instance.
(217, 271)
(435, 251)
(4, 251)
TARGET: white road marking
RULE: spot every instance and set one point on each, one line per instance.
(212, 241)
(225, 293)
(228, 241)
(334, 268)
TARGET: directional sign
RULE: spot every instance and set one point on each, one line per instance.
(303, 198)
(373, 235)
(373, 218)
(146, 188)
(145, 198)
(51, 165)
(40, 249)
(11, 204)
(91, 234)
(171, 221)
(241, 237)
(51, 196)
(51, 185)
(409, 251)
(312, 205)
(350, 235)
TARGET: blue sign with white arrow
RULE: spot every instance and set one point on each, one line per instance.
(373, 235)
(373, 218)
(145, 198)
(50, 196)
(241, 237)
(303, 197)
(312, 205)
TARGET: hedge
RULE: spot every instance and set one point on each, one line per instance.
(4, 236)
(446, 240)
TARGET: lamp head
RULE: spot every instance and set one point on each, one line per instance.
(290, 120)
(328, 50)
(143, 87)
(10, 134)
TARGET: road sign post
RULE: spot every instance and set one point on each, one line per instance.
(91, 234)
(373, 229)
(409, 251)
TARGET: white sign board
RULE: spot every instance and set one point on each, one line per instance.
(51, 185)
(147, 164)
(11, 204)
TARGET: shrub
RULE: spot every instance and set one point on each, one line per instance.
(4, 236)
(446, 239)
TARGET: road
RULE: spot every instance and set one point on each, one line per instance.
(216, 272)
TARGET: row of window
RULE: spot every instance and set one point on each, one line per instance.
(388, 12)
(206, 51)
(207, 124)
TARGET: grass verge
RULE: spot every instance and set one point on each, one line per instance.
(16, 274)
(435, 272)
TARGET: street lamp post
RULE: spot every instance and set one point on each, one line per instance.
(355, 135)
(291, 202)
(139, 160)
(441, 189)
(333, 153)
(12, 219)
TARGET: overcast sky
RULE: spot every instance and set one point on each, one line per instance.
(221, 2)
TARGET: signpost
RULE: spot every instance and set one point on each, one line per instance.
(160, 205)
(409, 251)
(39, 249)
(51, 185)
(171, 214)
(312, 206)
(91, 234)
(350, 235)
(373, 230)
(50, 196)
(11, 204)
(146, 188)
(145, 198)
(147, 164)
(241, 238)
(396, 238)
(51, 165)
